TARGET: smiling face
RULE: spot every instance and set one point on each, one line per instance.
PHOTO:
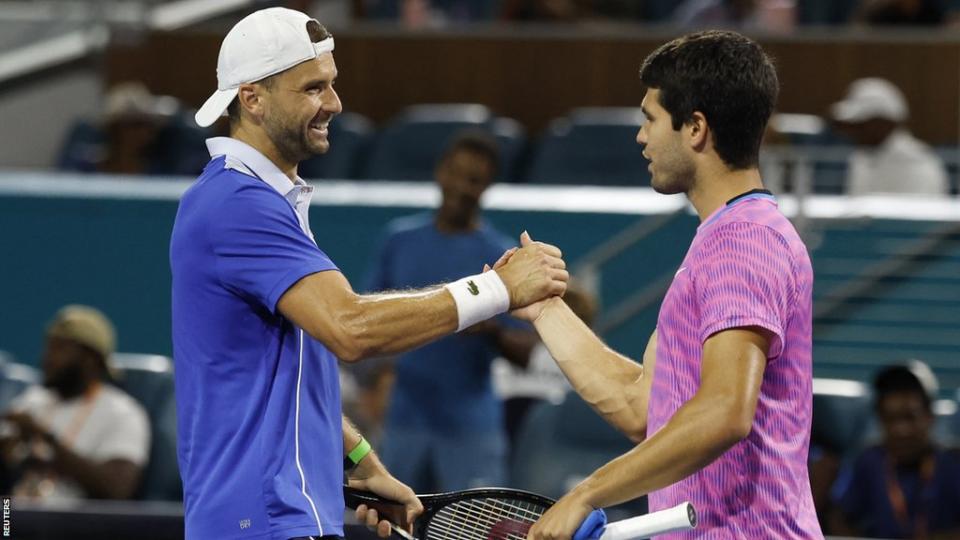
(671, 165)
(298, 106)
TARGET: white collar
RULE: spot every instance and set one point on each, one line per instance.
(258, 163)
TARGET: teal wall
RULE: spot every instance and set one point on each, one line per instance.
(112, 253)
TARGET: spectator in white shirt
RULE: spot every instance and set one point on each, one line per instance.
(75, 436)
(888, 158)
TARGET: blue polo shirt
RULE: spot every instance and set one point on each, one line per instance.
(260, 439)
(445, 386)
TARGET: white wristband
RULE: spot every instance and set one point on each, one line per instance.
(478, 298)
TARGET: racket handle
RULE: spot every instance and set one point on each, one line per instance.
(592, 526)
(679, 518)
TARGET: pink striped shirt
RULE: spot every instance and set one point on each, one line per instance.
(746, 266)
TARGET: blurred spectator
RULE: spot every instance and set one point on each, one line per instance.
(444, 428)
(765, 15)
(76, 435)
(138, 133)
(541, 380)
(133, 118)
(888, 158)
(905, 487)
(901, 12)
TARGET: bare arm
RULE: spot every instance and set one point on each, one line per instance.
(718, 416)
(615, 386)
(371, 475)
(357, 326)
(113, 479)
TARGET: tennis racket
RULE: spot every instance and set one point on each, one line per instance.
(506, 514)
(473, 514)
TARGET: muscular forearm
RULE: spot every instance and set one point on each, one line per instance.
(694, 437)
(384, 324)
(607, 380)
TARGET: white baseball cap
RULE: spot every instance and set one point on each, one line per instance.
(871, 98)
(262, 44)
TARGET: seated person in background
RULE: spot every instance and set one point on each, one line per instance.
(905, 487)
(137, 133)
(888, 158)
(444, 427)
(133, 118)
(76, 436)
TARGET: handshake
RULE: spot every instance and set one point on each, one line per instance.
(521, 281)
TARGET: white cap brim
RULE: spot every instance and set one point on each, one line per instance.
(215, 106)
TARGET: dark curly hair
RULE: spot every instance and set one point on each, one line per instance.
(725, 76)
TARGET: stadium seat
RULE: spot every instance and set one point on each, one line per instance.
(841, 412)
(149, 379)
(592, 145)
(559, 445)
(410, 146)
(179, 149)
(955, 420)
(14, 379)
(812, 131)
(82, 148)
(350, 135)
(946, 418)
(659, 10)
(951, 159)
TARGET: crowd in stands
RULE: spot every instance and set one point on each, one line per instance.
(767, 15)
(142, 134)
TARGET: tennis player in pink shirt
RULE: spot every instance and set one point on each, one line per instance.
(721, 405)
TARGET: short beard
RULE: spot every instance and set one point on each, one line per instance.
(291, 142)
(69, 382)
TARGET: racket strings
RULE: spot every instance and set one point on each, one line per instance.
(484, 519)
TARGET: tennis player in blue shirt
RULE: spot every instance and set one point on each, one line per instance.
(261, 314)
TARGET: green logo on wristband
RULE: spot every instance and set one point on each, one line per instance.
(472, 287)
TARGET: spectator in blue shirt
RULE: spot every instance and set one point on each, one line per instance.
(444, 429)
(905, 487)
(261, 315)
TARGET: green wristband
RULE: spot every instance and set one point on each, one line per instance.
(359, 451)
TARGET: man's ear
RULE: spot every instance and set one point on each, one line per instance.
(250, 99)
(698, 131)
